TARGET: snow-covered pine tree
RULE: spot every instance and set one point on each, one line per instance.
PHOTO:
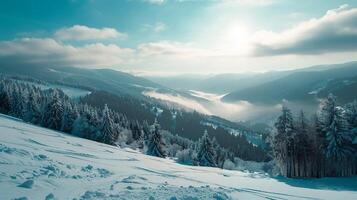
(17, 102)
(52, 117)
(136, 130)
(206, 155)
(155, 144)
(338, 136)
(32, 110)
(69, 116)
(336, 127)
(219, 152)
(108, 135)
(283, 143)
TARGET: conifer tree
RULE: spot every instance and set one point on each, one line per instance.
(206, 155)
(4, 102)
(335, 126)
(155, 144)
(32, 110)
(69, 116)
(52, 117)
(283, 141)
(108, 135)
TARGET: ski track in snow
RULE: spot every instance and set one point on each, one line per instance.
(37, 163)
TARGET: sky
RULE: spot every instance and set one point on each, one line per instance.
(169, 37)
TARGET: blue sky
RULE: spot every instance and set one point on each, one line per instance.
(178, 36)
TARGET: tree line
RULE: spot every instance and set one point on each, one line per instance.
(53, 109)
(325, 145)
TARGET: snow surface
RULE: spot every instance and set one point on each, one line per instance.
(37, 163)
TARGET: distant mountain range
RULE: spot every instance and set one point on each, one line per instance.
(303, 86)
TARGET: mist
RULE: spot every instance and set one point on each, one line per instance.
(212, 104)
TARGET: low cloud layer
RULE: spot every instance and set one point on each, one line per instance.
(336, 31)
(238, 111)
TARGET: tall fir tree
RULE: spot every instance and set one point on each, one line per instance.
(69, 116)
(206, 155)
(108, 135)
(155, 144)
(335, 125)
(52, 117)
(32, 110)
(283, 141)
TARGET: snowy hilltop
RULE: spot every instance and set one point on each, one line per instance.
(38, 163)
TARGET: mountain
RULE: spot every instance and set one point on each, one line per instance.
(113, 81)
(218, 84)
(302, 86)
(38, 163)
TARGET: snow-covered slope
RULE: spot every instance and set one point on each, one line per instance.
(38, 163)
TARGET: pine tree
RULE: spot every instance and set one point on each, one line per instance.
(206, 155)
(4, 102)
(136, 130)
(32, 110)
(302, 145)
(69, 116)
(283, 141)
(335, 125)
(108, 133)
(17, 102)
(52, 117)
(155, 144)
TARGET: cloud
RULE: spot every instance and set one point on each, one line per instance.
(336, 31)
(238, 111)
(47, 51)
(171, 48)
(156, 2)
(156, 28)
(80, 32)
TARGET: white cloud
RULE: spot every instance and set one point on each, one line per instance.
(336, 31)
(80, 32)
(238, 111)
(47, 51)
(171, 48)
(157, 27)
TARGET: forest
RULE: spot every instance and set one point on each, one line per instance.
(324, 146)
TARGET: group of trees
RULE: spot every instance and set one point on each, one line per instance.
(181, 122)
(323, 146)
(53, 109)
